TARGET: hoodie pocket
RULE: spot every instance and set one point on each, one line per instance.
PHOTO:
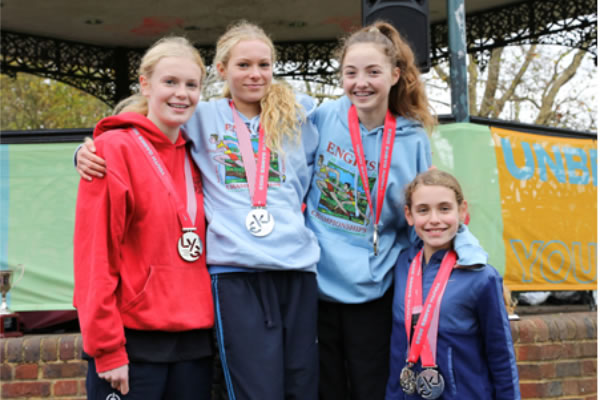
(140, 296)
(173, 299)
(289, 246)
(344, 272)
(451, 379)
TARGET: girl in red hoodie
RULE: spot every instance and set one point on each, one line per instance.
(142, 290)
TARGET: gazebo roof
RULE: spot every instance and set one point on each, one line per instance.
(138, 23)
(96, 46)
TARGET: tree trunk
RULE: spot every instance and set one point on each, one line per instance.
(499, 106)
(489, 96)
(473, 73)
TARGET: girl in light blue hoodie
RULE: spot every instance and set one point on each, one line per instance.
(372, 143)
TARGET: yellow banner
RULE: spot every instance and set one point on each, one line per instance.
(548, 186)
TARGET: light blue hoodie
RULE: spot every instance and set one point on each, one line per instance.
(291, 245)
(348, 271)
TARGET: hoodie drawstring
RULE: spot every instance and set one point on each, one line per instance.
(263, 288)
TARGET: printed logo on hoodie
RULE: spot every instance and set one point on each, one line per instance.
(225, 152)
(342, 195)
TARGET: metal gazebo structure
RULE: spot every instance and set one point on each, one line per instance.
(96, 48)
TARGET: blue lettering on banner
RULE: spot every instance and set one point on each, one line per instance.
(576, 162)
(555, 259)
(525, 172)
(577, 171)
(555, 165)
(594, 164)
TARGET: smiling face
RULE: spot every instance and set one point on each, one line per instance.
(172, 92)
(248, 72)
(367, 77)
(436, 216)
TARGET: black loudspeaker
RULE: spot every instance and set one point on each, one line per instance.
(410, 18)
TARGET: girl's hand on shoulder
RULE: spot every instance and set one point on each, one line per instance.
(89, 165)
(118, 378)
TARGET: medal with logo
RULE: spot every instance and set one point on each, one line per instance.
(189, 245)
(429, 383)
(408, 379)
(385, 159)
(259, 221)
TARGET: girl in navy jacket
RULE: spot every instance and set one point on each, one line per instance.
(470, 353)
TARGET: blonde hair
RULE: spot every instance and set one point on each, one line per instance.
(281, 115)
(433, 177)
(172, 46)
(407, 97)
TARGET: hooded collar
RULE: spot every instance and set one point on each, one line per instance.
(147, 128)
(401, 122)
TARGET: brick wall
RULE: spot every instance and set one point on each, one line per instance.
(42, 367)
(556, 357)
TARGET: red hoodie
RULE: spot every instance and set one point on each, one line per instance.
(128, 272)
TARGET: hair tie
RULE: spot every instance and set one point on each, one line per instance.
(374, 29)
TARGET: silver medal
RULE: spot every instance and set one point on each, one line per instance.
(260, 222)
(430, 384)
(189, 245)
(408, 380)
(375, 241)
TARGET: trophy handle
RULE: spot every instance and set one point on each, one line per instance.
(20, 275)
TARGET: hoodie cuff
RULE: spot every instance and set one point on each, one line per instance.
(113, 360)
(75, 155)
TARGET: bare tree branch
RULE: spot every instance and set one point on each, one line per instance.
(546, 109)
(440, 102)
(499, 106)
(442, 74)
(525, 100)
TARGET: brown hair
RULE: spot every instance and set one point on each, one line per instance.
(281, 115)
(433, 177)
(407, 97)
(172, 46)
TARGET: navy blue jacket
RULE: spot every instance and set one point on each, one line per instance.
(475, 352)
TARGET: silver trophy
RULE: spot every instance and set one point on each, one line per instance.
(6, 283)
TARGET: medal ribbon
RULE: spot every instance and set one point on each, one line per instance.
(424, 341)
(387, 146)
(257, 173)
(187, 217)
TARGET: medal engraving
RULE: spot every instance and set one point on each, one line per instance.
(430, 384)
(189, 246)
(408, 380)
(260, 222)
